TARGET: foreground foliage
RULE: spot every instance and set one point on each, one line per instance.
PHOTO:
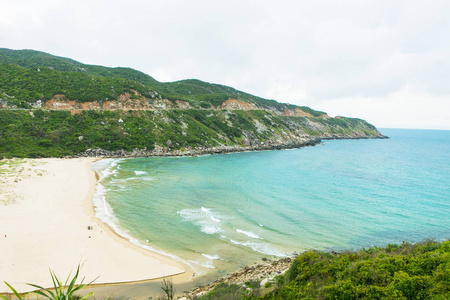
(400, 272)
(406, 271)
(62, 291)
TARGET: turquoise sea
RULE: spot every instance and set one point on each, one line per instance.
(220, 212)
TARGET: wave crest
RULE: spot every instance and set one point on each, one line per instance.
(208, 222)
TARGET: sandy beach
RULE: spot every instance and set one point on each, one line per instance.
(45, 210)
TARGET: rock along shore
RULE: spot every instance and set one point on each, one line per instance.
(197, 151)
(262, 273)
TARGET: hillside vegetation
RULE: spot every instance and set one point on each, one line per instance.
(43, 133)
(27, 76)
(406, 271)
(54, 106)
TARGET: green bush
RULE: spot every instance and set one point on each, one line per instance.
(60, 291)
(420, 271)
(224, 291)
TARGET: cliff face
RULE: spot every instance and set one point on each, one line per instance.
(127, 102)
(124, 102)
(138, 102)
(234, 104)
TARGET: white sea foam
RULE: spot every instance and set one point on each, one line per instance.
(133, 178)
(106, 167)
(262, 248)
(140, 178)
(208, 222)
(212, 257)
(249, 233)
(207, 264)
(105, 213)
(207, 211)
(103, 210)
(140, 172)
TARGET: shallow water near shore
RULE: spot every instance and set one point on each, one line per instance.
(220, 212)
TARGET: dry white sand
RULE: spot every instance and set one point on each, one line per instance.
(45, 209)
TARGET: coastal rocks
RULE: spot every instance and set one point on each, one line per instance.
(260, 127)
(163, 151)
(353, 136)
(262, 273)
(264, 282)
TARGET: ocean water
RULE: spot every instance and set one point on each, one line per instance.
(220, 212)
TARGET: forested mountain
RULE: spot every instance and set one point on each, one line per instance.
(54, 106)
(28, 76)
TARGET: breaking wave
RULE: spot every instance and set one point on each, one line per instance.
(208, 222)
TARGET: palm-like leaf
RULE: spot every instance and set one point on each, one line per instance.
(60, 293)
(14, 291)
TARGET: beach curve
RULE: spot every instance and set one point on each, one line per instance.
(48, 222)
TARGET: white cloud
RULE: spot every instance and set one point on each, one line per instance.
(287, 91)
(305, 52)
(405, 108)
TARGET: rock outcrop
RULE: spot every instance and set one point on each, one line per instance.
(127, 102)
(296, 112)
(61, 102)
(234, 104)
(262, 273)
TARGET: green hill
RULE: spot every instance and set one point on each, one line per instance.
(54, 106)
(29, 76)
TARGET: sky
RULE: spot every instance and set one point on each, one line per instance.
(384, 61)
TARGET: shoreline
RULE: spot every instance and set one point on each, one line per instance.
(199, 151)
(179, 277)
(122, 237)
(182, 277)
(44, 226)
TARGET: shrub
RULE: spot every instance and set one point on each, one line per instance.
(62, 291)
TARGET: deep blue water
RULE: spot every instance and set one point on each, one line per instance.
(220, 212)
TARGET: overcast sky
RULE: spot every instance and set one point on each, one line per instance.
(387, 62)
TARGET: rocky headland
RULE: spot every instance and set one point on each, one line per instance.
(258, 275)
